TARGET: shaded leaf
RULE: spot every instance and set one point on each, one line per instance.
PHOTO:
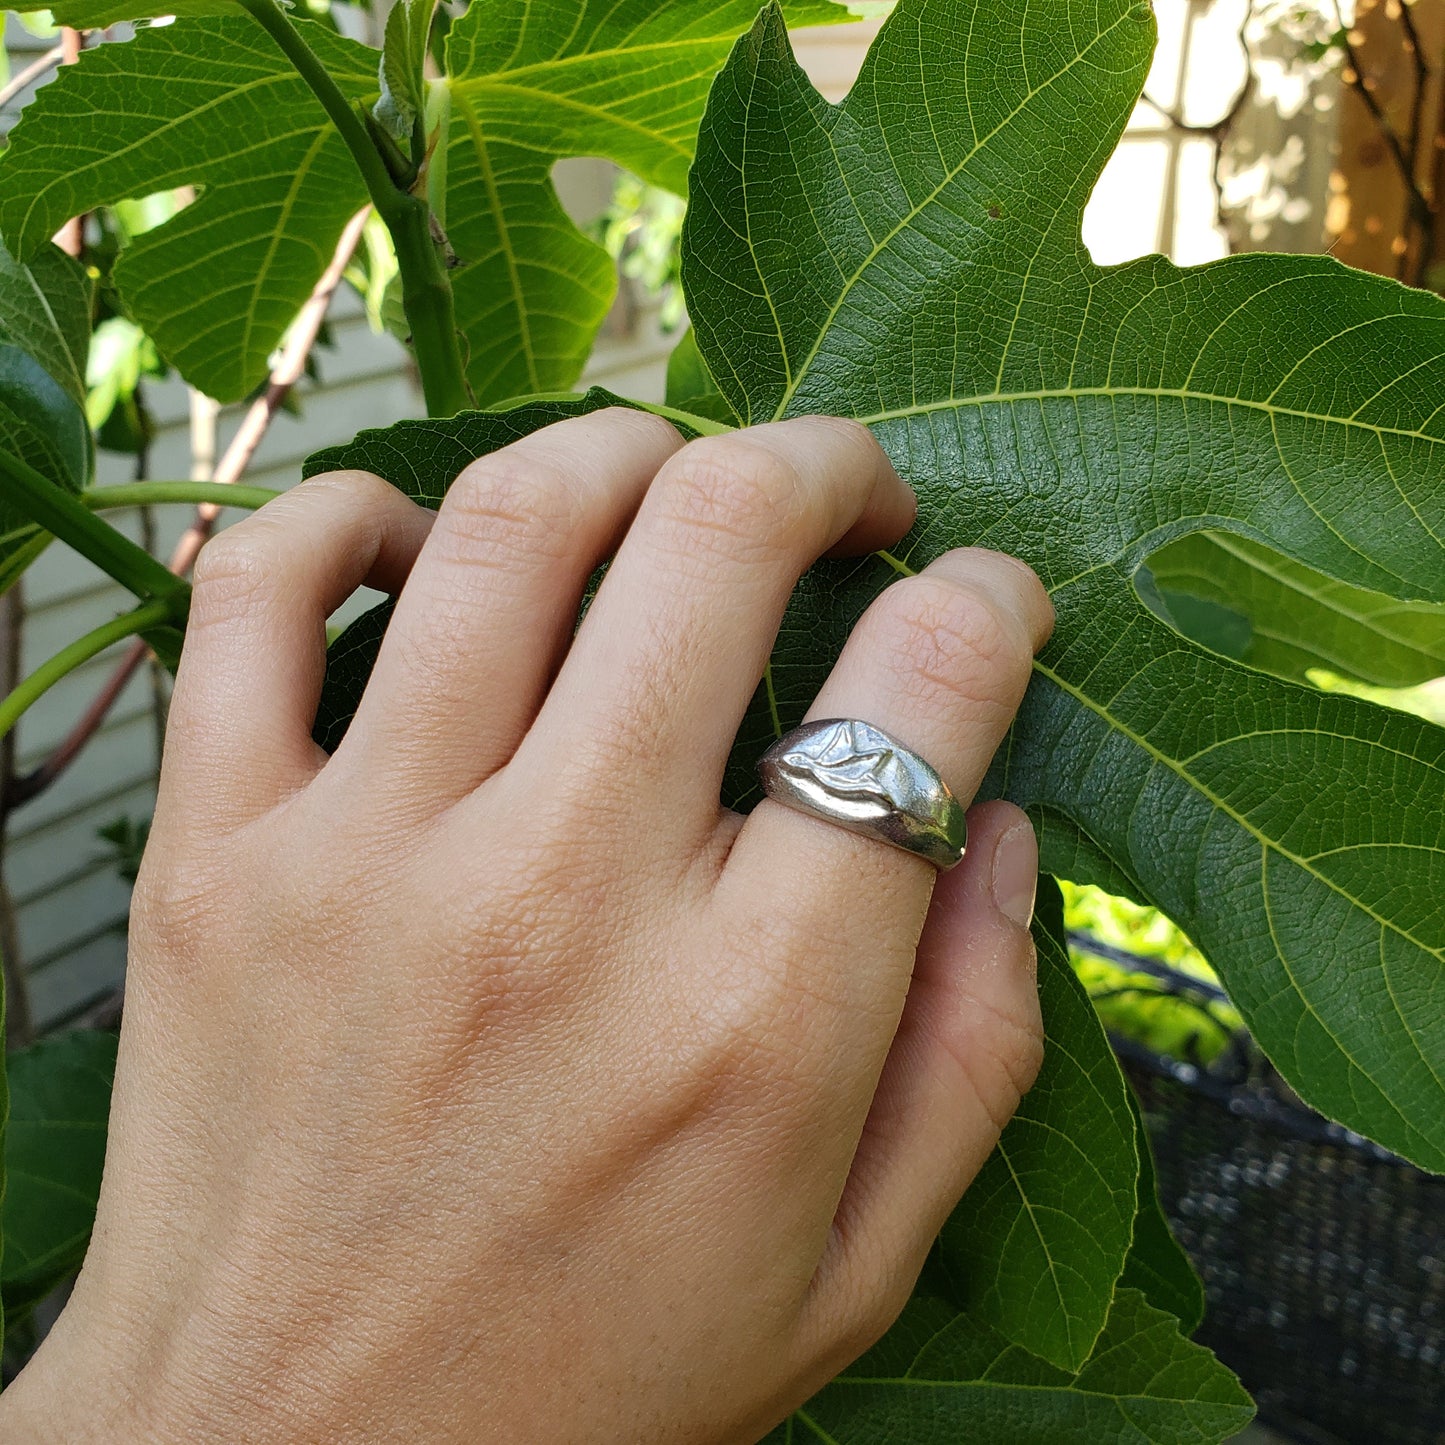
(938, 1375)
(121, 357)
(349, 660)
(45, 312)
(44, 336)
(213, 104)
(913, 258)
(1035, 1246)
(54, 1149)
(1157, 1265)
(690, 386)
(1295, 617)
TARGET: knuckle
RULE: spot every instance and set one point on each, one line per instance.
(645, 425)
(955, 638)
(744, 495)
(353, 486)
(508, 510)
(174, 903)
(236, 568)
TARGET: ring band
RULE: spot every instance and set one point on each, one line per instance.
(851, 773)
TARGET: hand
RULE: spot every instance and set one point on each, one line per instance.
(486, 1081)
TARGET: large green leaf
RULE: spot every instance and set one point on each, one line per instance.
(54, 1150)
(531, 82)
(1035, 1246)
(1296, 618)
(913, 258)
(211, 103)
(940, 1375)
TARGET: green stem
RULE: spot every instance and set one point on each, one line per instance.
(426, 288)
(277, 24)
(65, 516)
(156, 613)
(426, 297)
(146, 494)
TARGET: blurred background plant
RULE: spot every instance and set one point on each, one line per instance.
(642, 231)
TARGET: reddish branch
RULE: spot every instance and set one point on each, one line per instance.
(30, 74)
(231, 468)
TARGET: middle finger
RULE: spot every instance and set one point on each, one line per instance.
(670, 654)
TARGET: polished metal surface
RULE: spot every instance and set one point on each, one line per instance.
(851, 773)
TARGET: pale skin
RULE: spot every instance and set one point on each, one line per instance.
(487, 1081)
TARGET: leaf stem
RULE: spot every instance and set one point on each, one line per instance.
(67, 517)
(146, 494)
(426, 288)
(149, 615)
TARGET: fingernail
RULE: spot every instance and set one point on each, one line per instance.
(1016, 873)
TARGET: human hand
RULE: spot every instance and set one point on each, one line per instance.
(486, 1081)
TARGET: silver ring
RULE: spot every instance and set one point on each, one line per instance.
(853, 774)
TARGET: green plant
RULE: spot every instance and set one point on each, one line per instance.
(911, 258)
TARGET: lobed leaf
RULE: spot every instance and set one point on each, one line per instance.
(531, 82)
(912, 258)
(214, 104)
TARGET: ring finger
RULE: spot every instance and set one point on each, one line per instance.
(940, 661)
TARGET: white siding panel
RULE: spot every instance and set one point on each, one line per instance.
(119, 757)
(54, 715)
(88, 972)
(34, 860)
(57, 922)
